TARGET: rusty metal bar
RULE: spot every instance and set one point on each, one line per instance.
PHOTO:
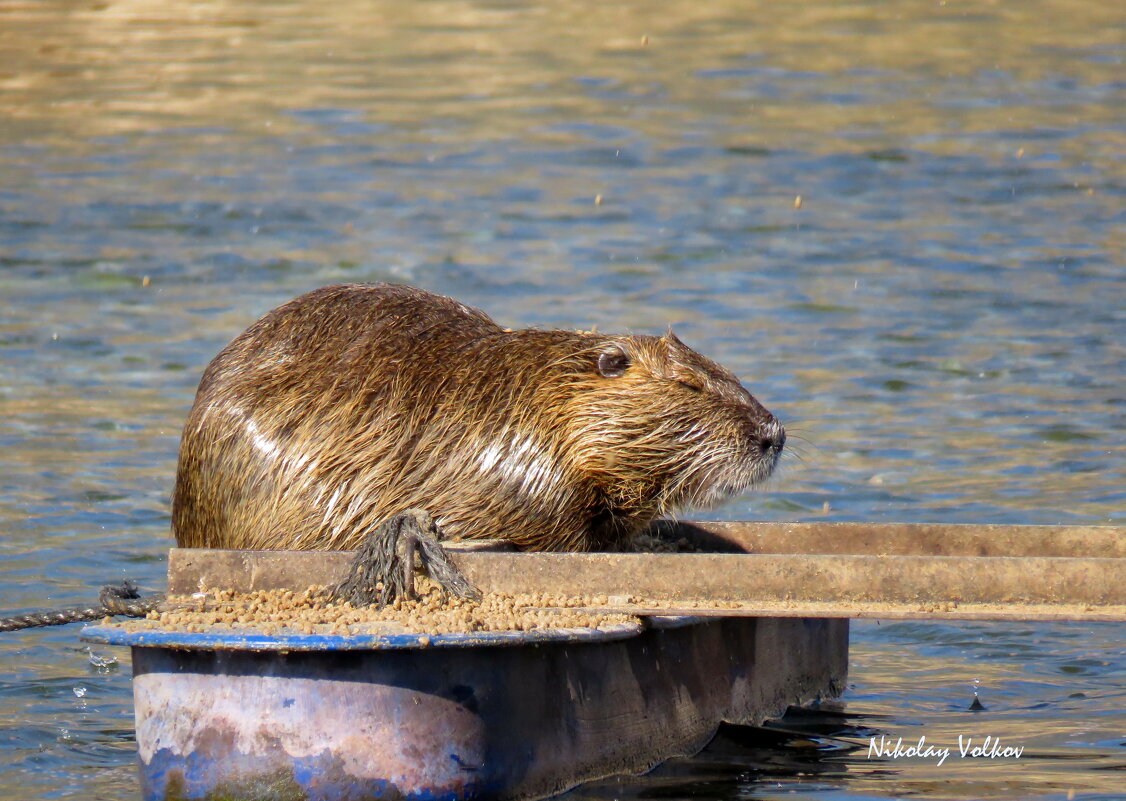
(806, 577)
(900, 539)
(866, 576)
(883, 611)
(195, 569)
(818, 585)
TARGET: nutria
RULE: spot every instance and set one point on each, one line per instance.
(353, 403)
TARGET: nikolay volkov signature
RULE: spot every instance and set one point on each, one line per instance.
(968, 748)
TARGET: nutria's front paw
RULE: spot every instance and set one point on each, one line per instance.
(383, 569)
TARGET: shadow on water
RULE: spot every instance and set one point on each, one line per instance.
(830, 752)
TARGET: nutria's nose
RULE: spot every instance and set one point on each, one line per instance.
(773, 437)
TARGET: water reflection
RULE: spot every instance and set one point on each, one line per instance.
(940, 321)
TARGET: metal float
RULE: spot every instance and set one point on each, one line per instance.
(518, 715)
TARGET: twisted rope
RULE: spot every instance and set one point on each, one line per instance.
(114, 599)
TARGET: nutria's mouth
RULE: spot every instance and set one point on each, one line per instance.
(719, 472)
(761, 468)
(757, 466)
(736, 479)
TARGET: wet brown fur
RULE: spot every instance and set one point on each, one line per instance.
(355, 402)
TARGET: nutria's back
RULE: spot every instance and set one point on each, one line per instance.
(355, 402)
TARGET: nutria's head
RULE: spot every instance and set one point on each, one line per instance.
(658, 426)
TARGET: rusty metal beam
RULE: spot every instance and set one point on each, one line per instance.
(900, 539)
(819, 585)
(859, 571)
(807, 577)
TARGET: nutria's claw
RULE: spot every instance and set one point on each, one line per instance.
(383, 569)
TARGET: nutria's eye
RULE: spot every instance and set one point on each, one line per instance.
(613, 362)
(692, 385)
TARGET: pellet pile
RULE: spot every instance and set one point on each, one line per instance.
(315, 611)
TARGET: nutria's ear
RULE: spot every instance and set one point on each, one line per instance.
(672, 339)
(613, 361)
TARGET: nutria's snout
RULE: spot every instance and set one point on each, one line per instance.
(766, 433)
(772, 439)
(765, 449)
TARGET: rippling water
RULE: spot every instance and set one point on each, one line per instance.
(941, 318)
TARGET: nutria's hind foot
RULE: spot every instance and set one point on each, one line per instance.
(383, 569)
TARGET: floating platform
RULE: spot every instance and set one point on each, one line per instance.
(509, 715)
(735, 635)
